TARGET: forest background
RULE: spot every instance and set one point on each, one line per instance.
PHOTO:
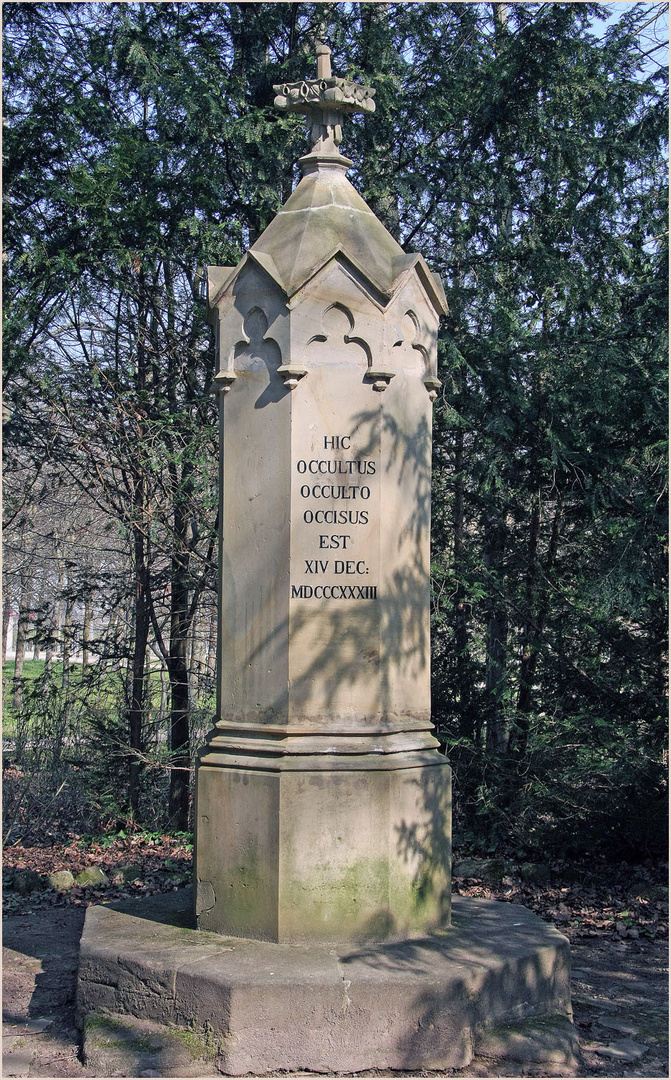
(524, 154)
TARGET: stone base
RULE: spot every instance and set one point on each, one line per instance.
(260, 1006)
(297, 852)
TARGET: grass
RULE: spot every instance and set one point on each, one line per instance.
(67, 750)
(105, 691)
(34, 669)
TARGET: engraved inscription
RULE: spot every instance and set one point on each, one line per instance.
(338, 474)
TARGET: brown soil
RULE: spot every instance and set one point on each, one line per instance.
(39, 968)
(620, 1004)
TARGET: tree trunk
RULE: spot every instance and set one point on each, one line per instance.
(34, 633)
(498, 728)
(141, 614)
(496, 720)
(86, 632)
(49, 648)
(23, 623)
(54, 636)
(6, 611)
(211, 656)
(67, 647)
(184, 539)
(109, 642)
(165, 686)
(519, 737)
(178, 806)
(193, 650)
(137, 668)
(469, 721)
(537, 611)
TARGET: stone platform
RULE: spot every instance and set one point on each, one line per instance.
(257, 1006)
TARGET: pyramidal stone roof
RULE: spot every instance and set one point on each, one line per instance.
(323, 215)
(325, 218)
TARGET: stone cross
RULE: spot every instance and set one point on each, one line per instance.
(324, 101)
(322, 809)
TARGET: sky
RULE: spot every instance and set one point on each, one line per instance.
(656, 34)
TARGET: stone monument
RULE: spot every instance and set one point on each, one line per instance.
(325, 936)
(322, 799)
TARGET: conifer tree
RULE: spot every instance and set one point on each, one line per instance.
(524, 155)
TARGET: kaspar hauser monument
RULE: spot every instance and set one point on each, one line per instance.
(321, 935)
(336, 822)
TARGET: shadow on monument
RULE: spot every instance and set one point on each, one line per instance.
(400, 619)
(384, 646)
(494, 965)
(417, 1003)
(256, 347)
(504, 965)
(175, 908)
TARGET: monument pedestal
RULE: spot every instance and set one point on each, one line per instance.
(323, 847)
(256, 1007)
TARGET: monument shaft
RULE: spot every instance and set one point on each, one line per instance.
(322, 799)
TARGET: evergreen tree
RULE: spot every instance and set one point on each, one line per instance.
(525, 157)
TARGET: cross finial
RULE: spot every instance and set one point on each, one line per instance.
(323, 61)
(324, 101)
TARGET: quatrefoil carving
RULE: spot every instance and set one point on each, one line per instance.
(256, 346)
(338, 324)
(413, 354)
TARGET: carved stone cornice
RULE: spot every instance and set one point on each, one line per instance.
(432, 385)
(379, 377)
(325, 94)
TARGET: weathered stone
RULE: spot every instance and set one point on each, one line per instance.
(295, 861)
(92, 876)
(61, 879)
(129, 872)
(37, 1025)
(535, 873)
(622, 1050)
(548, 1039)
(404, 1005)
(24, 881)
(614, 1023)
(121, 1045)
(17, 1061)
(338, 826)
(492, 870)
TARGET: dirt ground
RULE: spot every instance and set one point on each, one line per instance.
(620, 1000)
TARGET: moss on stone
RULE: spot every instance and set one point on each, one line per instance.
(198, 1044)
(359, 894)
(116, 1035)
(530, 1024)
(96, 1020)
(655, 1028)
(108, 1033)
